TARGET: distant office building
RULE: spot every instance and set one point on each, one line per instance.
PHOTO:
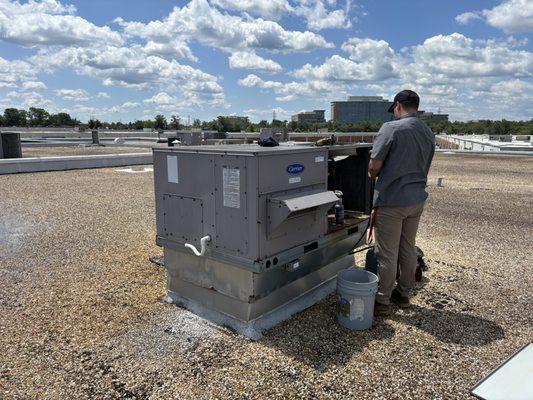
(310, 116)
(361, 108)
(430, 117)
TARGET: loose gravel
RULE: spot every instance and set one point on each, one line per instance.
(81, 150)
(82, 316)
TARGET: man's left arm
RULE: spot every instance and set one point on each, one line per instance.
(380, 150)
(374, 168)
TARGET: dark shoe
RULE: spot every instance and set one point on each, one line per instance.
(399, 300)
(381, 309)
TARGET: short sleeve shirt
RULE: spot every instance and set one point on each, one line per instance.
(406, 147)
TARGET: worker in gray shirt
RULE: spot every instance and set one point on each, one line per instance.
(400, 160)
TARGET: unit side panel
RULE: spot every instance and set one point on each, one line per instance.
(231, 193)
(184, 199)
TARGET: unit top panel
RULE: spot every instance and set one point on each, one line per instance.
(256, 150)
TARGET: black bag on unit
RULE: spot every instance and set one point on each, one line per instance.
(268, 142)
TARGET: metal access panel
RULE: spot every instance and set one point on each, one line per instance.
(184, 197)
(183, 217)
(232, 228)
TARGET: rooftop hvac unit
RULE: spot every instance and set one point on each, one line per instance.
(248, 233)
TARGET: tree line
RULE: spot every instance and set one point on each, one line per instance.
(35, 117)
(39, 117)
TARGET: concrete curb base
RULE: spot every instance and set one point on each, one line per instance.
(44, 164)
(254, 329)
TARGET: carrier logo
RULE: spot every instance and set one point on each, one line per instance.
(295, 169)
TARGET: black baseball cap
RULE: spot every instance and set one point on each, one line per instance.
(404, 95)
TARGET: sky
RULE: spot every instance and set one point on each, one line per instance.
(121, 60)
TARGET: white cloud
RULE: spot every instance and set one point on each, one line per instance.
(127, 67)
(515, 87)
(164, 102)
(271, 9)
(319, 17)
(512, 16)
(318, 13)
(26, 100)
(199, 21)
(266, 113)
(466, 17)
(15, 71)
(171, 49)
(103, 95)
(250, 60)
(49, 23)
(161, 99)
(444, 58)
(46, 6)
(193, 97)
(72, 94)
(255, 81)
(130, 104)
(293, 90)
(439, 60)
(33, 85)
(368, 60)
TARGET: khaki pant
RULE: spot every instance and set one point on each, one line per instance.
(395, 232)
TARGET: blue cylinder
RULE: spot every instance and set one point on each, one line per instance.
(339, 213)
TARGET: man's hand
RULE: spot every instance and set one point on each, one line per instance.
(374, 168)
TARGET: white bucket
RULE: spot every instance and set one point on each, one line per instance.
(357, 290)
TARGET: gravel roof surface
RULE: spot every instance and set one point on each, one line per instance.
(81, 314)
(49, 151)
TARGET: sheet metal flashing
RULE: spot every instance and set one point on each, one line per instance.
(44, 164)
(511, 380)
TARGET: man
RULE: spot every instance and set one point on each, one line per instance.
(400, 160)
